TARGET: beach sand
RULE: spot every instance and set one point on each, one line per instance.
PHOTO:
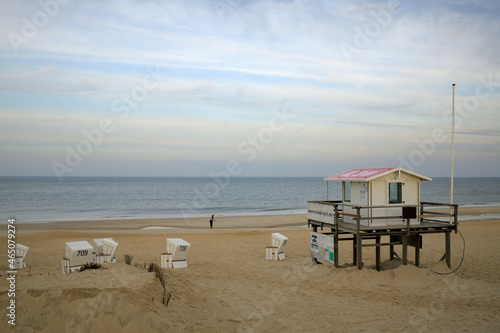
(229, 286)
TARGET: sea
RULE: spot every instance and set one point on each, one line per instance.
(47, 199)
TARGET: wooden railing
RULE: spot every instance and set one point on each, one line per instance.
(424, 212)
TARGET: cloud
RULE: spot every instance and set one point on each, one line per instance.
(224, 74)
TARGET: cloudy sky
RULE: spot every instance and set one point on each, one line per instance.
(248, 87)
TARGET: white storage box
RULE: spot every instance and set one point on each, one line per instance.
(79, 253)
(279, 241)
(104, 250)
(21, 251)
(98, 243)
(178, 247)
(109, 247)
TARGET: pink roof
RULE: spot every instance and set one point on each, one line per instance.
(359, 174)
(370, 174)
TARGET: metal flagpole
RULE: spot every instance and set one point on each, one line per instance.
(452, 149)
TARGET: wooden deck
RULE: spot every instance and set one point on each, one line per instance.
(406, 235)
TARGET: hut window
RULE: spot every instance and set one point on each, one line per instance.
(395, 190)
(347, 191)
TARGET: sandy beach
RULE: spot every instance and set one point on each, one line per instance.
(229, 286)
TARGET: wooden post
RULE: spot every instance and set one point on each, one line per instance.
(336, 238)
(406, 238)
(417, 250)
(448, 248)
(455, 218)
(354, 251)
(391, 252)
(405, 249)
(359, 256)
(377, 252)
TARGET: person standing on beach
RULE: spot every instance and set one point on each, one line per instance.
(212, 221)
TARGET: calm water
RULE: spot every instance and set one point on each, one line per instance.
(44, 199)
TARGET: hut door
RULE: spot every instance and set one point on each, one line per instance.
(410, 193)
(395, 197)
(411, 196)
(378, 198)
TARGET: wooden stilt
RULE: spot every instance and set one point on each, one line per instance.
(448, 248)
(336, 238)
(405, 249)
(359, 255)
(417, 250)
(377, 253)
(359, 247)
(354, 250)
(406, 238)
(391, 252)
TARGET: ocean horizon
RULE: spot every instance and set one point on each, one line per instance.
(47, 199)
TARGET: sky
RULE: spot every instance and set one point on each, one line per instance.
(222, 88)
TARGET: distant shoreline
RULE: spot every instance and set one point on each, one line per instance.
(222, 222)
(139, 218)
(467, 210)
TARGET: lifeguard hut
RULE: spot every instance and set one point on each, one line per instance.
(377, 202)
(385, 190)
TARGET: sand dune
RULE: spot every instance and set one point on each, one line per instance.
(229, 286)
